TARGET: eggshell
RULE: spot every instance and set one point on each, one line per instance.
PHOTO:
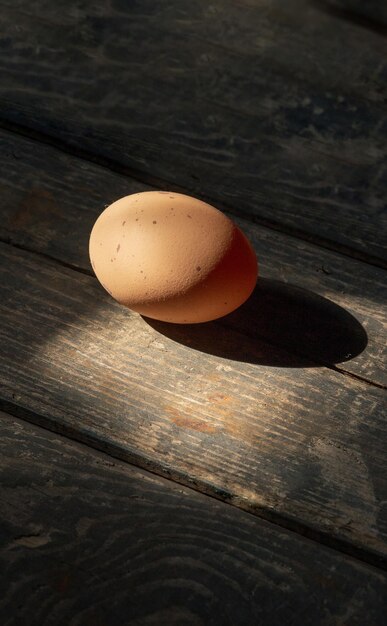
(172, 257)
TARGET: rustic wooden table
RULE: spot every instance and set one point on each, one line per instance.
(230, 473)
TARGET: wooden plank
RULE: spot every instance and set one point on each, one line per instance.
(50, 201)
(301, 445)
(293, 131)
(232, 26)
(88, 540)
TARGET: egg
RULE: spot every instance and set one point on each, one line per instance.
(172, 257)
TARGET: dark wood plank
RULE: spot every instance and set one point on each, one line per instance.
(50, 201)
(277, 110)
(304, 446)
(88, 540)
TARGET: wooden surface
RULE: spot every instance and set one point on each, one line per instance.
(254, 105)
(288, 442)
(89, 540)
(276, 113)
(50, 201)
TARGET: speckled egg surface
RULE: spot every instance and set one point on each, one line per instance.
(172, 257)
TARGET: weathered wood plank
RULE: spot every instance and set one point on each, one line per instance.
(88, 540)
(50, 201)
(232, 26)
(303, 445)
(293, 131)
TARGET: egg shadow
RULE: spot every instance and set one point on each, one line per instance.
(280, 325)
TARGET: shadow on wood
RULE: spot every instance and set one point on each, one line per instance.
(369, 15)
(280, 325)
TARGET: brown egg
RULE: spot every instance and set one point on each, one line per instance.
(172, 257)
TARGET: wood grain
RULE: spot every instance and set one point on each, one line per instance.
(50, 201)
(276, 109)
(88, 540)
(304, 446)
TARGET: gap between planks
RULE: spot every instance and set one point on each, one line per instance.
(164, 184)
(352, 16)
